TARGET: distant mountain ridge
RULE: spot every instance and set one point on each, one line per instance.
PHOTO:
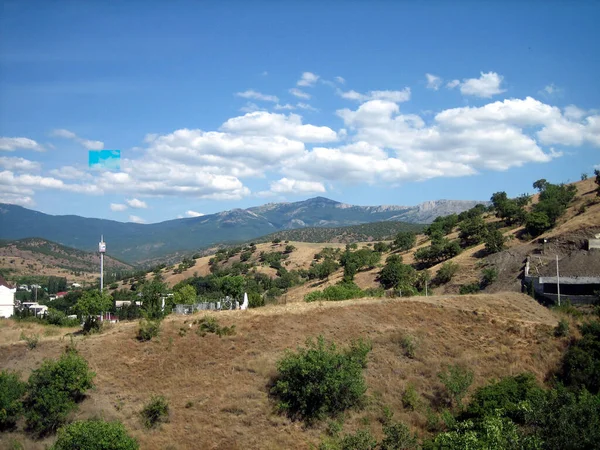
(133, 242)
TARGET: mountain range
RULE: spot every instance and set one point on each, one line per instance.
(133, 242)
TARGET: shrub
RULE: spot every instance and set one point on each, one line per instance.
(472, 288)
(155, 412)
(12, 390)
(562, 329)
(321, 380)
(94, 435)
(410, 398)
(446, 272)
(209, 324)
(488, 276)
(397, 437)
(32, 341)
(409, 345)
(148, 329)
(513, 395)
(54, 389)
(361, 440)
(581, 363)
(457, 381)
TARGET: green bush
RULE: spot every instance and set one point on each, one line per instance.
(457, 380)
(562, 329)
(321, 380)
(361, 440)
(397, 437)
(155, 412)
(54, 389)
(32, 341)
(472, 288)
(581, 363)
(148, 329)
(409, 345)
(513, 395)
(209, 324)
(488, 276)
(410, 398)
(446, 272)
(12, 390)
(94, 435)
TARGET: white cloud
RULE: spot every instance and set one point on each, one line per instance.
(19, 164)
(551, 90)
(433, 82)
(340, 80)
(10, 144)
(305, 106)
(137, 204)
(452, 84)
(87, 143)
(136, 219)
(271, 124)
(574, 113)
(191, 213)
(308, 79)
(254, 95)
(284, 107)
(286, 185)
(250, 107)
(392, 96)
(24, 184)
(17, 199)
(486, 86)
(70, 173)
(118, 207)
(298, 93)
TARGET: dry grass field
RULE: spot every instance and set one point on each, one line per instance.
(217, 388)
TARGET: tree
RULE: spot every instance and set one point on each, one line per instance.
(472, 230)
(186, 295)
(494, 241)
(232, 286)
(597, 181)
(90, 305)
(405, 240)
(457, 380)
(540, 185)
(94, 434)
(12, 390)
(320, 379)
(395, 274)
(537, 223)
(54, 389)
(446, 272)
(152, 294)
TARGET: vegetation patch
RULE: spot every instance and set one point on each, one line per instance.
(94, 435)
(155, 412)
(321, 380)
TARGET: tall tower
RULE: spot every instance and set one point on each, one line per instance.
(102, 250)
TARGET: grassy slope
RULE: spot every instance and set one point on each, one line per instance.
(224, 381)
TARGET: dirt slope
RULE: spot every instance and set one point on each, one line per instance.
(218, 387)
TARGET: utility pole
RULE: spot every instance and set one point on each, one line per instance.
(557, 281)
(102, 250)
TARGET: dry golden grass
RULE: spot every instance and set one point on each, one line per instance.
(218, 387)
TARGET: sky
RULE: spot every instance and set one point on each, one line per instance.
(222, 105)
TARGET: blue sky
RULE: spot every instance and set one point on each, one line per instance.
(223, 105)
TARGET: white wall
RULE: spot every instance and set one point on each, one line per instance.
(7, 301)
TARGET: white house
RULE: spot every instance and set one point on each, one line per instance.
(7, 298)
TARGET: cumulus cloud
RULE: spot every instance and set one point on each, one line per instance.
(305, 106)
(286, 185)
(10, 144)
(486, 86)
(392, 96)
(118, 207)
(70, 173)
(87, 143)
(19, 164)
(269, 124)
(308, 79)
(191, 213)
(136, 219)
(137, 204)
(433, 82)
(254, 95)
(340, 80)
(298, 93)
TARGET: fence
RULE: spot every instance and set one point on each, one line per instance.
(224, 305)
